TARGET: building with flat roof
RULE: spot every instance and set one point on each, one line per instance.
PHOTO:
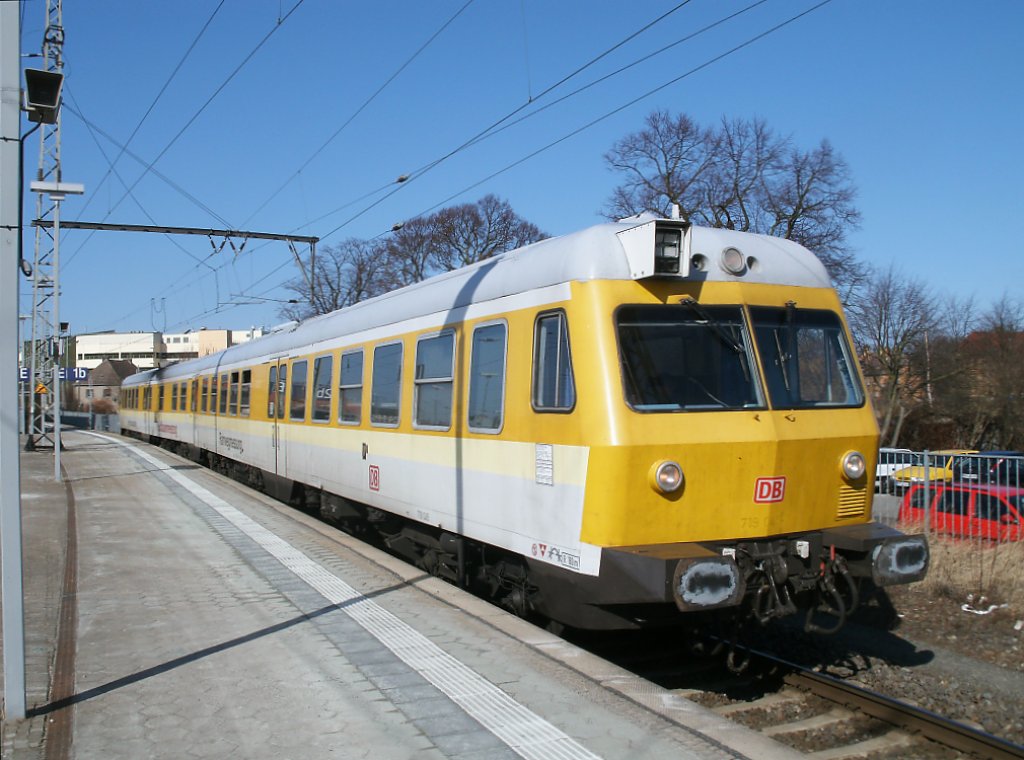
(147, 350)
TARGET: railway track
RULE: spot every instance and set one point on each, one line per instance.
(823, 716)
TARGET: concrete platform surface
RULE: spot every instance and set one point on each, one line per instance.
(196, 618)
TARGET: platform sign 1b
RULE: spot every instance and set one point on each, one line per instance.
(74, 373)
(66, 373)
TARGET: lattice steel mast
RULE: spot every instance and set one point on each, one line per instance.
(46, 334)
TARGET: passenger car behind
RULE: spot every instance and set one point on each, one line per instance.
(966, 511)
(939, 466)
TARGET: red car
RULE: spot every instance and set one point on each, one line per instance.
(968, 511)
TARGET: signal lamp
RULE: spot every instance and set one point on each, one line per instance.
(667, 246)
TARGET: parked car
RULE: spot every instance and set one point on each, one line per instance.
(995, 467)
(969, 511)
(939, 467)
(890, 460)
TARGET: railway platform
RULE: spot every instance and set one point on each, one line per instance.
(173, 613)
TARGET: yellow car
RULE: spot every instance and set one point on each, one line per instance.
(939, 466)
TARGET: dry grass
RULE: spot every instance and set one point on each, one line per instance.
(985, 568)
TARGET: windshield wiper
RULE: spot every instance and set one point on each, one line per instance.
(730, 341)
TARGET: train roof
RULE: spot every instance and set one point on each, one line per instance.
(603, 252)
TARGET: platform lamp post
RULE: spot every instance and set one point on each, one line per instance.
(41, 101)
(57, 192)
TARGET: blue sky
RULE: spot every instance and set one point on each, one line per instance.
(922, 99)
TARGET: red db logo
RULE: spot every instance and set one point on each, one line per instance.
(769, 490)
(374, 477)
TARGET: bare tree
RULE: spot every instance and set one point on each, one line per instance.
(347, 273)
(457, 236)
(740, 176)
(994, 352)
(890, 316)
(470, 233)
(664, 164)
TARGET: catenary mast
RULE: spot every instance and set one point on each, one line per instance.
(45, 334)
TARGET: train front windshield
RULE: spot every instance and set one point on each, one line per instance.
(676, 358)
(807, 360)
(691, 357)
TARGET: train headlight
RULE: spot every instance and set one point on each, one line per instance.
(666, 476)
(853, 465)
(733, 261)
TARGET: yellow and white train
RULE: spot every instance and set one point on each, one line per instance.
(610, 428)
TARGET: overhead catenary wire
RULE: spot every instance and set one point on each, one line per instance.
(152, 105)
(436, 162)
(419, 172)
(361, 108)
(220, 88)
(588, 125)
(134, 198)
(633, 101)
(626, 105)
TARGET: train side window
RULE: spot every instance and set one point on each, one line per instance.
(432, 385)
(213, 394)
(183, 395)
(323, 367)
(233, 394)
(554, 387)
(272, 392)
(487, 378)
(298, 407)
(160, 398)
(245, 392)
(385, 393)
(193, 396)
(282, 385)
(204, 395)
(222, 406)
(350, 385)
(174, 397)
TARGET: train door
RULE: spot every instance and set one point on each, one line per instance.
(193, 410)
(277, 383)
(158, 407)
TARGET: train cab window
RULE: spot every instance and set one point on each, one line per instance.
(245, 393)
(233, 395)
(222, 406)
(432, 385)
(350, 387)
(554, 387)
(686, 357)
(487, 379)
(205, 393)
(807, 359)
(385, 393)
(323, 367)
(297, 410)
